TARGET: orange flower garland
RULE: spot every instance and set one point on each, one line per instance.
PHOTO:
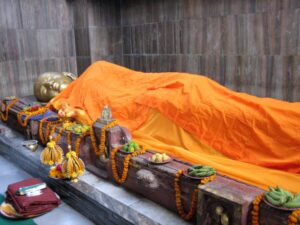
(293, 218)
(45, 138)
(57, 137)
(101, 150)
(192, 210)
(53, 129)
(49, 133)
(69, 138)
(78, 142)
(124, 175)
(4, 116)
(93, 139)
(255, 210)
(29, 114)
(77, 145)
(41, 132)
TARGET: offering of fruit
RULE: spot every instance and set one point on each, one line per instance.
(159, 158)
(131, 147)
(282, 198)
(77, 127)
(201, 171)
(9, 210)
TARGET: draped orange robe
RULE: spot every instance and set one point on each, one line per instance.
(255, 140)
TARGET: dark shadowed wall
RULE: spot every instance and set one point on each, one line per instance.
(54, 35)
(35, 36)
(251, 46)
(97, 26)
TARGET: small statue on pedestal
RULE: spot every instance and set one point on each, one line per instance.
(106, 116)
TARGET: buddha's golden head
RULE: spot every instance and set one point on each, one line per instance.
(50, 84)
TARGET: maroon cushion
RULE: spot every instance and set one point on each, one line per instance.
(34, 204)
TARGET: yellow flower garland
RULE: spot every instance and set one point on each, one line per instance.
(189, 215)
(293, 218)
(69, 138)
(4, 116)
(57, 137)
(53, 129)
(100, 151)
(124, 175)
(78, 142)
(255, 210)
(29, 114)
(44, 138)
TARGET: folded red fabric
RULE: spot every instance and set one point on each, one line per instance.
(34, 204)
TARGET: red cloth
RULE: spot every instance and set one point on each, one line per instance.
(31, 205)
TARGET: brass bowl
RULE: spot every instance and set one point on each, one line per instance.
(31, 145)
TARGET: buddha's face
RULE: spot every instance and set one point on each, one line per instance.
(50, 84)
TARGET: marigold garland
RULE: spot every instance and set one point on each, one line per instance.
(78, 142)
(53, 129)
(4, 115)
(293, 217)
(189, 215)
(255, 209)
(69, 138)
(48, 126)
(41, 135)
(101, 150)
(29, 114)
(44, 138)
(57, 137)
(114, 168)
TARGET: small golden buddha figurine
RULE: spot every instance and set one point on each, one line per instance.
(50, 84)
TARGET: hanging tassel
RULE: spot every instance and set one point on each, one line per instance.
(52, 154)
(72, 165)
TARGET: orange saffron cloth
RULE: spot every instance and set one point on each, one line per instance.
(255, 140)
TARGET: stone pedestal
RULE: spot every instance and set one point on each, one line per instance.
(225, 199)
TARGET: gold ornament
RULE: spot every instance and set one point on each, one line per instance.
(72, 166)
(52, 154)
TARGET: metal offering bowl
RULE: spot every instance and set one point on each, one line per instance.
(31, 144)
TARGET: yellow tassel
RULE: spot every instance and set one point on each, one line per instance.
(52, 154)
(72, 166)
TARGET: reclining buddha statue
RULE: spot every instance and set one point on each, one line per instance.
(255, 140)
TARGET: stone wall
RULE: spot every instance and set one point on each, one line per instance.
(35, 36)
(54, 35)
(246, 45)
(97, 32)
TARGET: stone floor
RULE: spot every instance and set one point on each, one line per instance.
(63, 215)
